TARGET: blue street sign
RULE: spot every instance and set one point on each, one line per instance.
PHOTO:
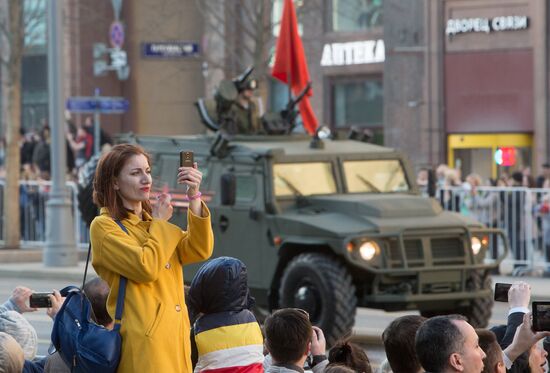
(102, 105)
(176, 49)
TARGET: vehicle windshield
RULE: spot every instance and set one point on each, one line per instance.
(303, 179)
(375, 176)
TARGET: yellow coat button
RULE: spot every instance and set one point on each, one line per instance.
(178, 308)
(167, 266)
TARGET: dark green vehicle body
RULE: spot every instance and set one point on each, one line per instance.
(304, 248)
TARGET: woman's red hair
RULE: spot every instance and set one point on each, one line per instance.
(107, 170)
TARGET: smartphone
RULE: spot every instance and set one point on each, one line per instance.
(40, 300)
(501, 292)
(541, 316)
(186, 158)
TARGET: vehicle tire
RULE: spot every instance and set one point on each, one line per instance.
(88, 209)
(323, 287)
(479, 311)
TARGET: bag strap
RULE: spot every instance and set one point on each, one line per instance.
(86, 269)
(121, 290)
(121, 285)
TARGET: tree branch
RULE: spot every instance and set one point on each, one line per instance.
(252, 17)
(216, 28)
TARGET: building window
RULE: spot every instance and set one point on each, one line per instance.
(278, 100)
(277, 14)
(34, 18)
(358, 103)
(355, 15)
(34, 80)
(278, 94)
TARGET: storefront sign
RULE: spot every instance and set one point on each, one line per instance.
(505, 156)
(353, 53)
(487, 25)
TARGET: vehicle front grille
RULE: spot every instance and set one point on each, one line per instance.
(444, 248)
(444, 251)
(413, 253)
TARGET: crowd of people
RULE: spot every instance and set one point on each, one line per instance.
(225, 336)
(508, 202)
(36, 169)
(210, 327)
(35, 149)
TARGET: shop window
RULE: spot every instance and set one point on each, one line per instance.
(278, 98)
(355, 15)
(358, 103)
(278, 95)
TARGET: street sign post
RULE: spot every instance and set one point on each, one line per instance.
(97, 105)
(176, 49)
(116, 34)
(103, 105)
(117, 56)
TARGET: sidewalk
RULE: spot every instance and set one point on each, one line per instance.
(37, 270)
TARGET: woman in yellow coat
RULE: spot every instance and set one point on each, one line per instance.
(155, 326)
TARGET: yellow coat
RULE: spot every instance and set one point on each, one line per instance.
(155, 325)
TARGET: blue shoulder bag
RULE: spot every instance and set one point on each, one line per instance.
(85, 346)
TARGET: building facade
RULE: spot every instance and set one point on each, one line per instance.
(344, 44)
(481, 74)
(463, 82)
(163, 82)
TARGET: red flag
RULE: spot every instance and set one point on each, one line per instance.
(291, 65)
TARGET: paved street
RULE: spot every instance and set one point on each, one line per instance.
(369, 324)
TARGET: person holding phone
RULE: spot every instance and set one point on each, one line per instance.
(155, 325)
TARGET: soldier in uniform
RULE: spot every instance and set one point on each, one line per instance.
(233, 111)
(244, 113)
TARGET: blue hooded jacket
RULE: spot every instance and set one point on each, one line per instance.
(226, 333)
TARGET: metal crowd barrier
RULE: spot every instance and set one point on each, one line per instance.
(33, 196)
(523, 213)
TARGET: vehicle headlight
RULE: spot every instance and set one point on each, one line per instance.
(369, 250)
(476, 245)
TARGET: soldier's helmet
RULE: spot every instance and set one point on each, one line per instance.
(246, 80)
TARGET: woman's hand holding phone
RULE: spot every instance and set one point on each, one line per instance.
(192, 177)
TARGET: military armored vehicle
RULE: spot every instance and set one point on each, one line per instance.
(331, 227)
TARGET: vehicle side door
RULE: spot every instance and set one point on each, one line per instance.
(240, 230)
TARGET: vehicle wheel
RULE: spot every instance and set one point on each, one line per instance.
(323, 287)
(479, 311)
